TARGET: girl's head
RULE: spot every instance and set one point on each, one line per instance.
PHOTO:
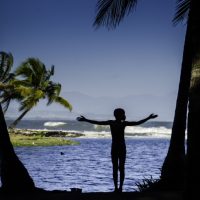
(119, 114)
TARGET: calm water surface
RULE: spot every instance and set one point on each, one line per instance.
(88, 165)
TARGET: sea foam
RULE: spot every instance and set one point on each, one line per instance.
(148, 131)
(159, 131)
(53, 124)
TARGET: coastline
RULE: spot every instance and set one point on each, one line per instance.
(44, 132)
(35, 137)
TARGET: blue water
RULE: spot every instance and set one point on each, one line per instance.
(88, 165)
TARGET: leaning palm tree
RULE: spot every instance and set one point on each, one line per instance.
(32, 83)
(110, 13)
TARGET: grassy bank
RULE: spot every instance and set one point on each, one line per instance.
(21, 140)
(20, 137)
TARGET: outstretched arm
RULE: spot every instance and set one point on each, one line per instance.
(83, 119)
(151, 116)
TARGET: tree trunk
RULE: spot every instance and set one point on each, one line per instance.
(18, 119)
(193, 153)
(173, 169)
(14, 176)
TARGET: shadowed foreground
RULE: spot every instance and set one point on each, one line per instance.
(64, 195)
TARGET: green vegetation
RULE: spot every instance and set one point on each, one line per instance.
(30, 83)
(20, 137)
(38, 140)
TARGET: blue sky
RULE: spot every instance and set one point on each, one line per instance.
(140, 57)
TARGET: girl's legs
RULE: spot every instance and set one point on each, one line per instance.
(115, 171)
(122, 175)
(122, 161)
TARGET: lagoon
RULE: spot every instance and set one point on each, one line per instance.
(88, 165)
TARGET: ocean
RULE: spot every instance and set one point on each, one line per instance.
(88, 165)
(148, 129)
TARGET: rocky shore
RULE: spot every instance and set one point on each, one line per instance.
(45, 133)
(35, 137)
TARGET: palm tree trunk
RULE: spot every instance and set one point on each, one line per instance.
(18, 119)
(173, 169)
(193, 153)
(14, 176)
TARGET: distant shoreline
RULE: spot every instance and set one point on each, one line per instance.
(35, 137)
(44, 132)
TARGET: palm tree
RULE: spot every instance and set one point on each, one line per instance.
(110, 13)
(32, 83)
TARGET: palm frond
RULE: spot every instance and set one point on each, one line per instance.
(5, 99)
(28, 104)
(6, 63)
(30, 101)
(182, 11)
(26, 96)
(6, 105)
(4, 86)
(17, 82)
(52, 70)
(38, 94)
(48, 74)
(63, 102)
(9, 63)
(33, 71)
(24, 91)
(52, 90)
(23, 70)
(8, 94)
(36, 66)
(111, 12)
(9, 77)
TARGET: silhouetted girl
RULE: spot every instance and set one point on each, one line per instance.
(118, 150)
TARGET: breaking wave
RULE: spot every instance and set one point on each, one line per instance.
(54, 124)
(154, 132)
